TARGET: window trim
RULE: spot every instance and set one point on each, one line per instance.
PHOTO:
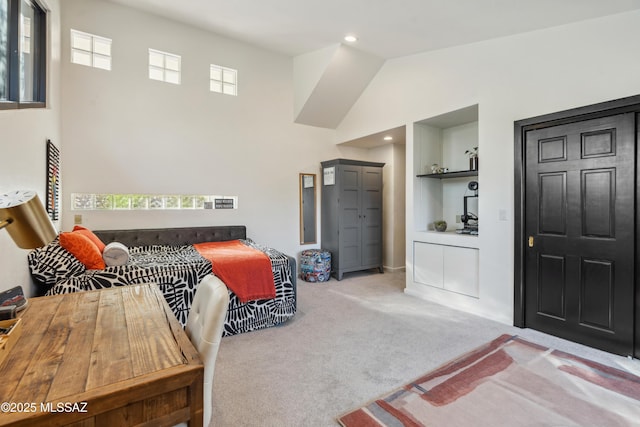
(222, 82)
(165, 55)
(92, 53)
(40, 28)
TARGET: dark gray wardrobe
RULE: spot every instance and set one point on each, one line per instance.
(352, 214)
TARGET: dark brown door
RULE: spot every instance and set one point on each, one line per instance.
(579, 230)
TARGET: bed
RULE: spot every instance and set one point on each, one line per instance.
(168, 257)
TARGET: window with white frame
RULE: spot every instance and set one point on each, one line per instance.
(90, 50)
(223, 80)
(164, 66)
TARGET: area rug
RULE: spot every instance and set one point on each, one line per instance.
(510, 382)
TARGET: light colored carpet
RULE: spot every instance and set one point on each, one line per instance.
(350, 342)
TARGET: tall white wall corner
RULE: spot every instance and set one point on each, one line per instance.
(327, 83)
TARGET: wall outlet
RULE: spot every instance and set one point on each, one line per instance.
(77, 219)
(458, 219)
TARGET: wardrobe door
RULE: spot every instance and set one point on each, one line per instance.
(371, 211)
(350, 231)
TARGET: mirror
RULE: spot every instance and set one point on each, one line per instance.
(307, 208)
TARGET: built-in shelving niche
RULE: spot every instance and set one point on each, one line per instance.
(443, 140)
(437, 256)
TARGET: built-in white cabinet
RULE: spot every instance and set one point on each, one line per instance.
(451, 268)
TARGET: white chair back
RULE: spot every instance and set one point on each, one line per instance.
(204, 328)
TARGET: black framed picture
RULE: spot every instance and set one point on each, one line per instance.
(53, 181)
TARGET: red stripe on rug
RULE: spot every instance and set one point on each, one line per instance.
(463, 361)
(466, 381)
(595, 365)
(359, 418)
(611, 382)
(530, 344)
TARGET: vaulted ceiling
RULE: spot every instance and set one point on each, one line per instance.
(312, 31)
(385, 28)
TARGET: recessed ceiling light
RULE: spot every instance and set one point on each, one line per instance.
(388, 138)
(350, 38)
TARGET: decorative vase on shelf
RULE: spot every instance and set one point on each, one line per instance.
(440, 225)
(473, 163)
(473, 158)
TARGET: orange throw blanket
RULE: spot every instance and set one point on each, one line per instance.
(245, 270)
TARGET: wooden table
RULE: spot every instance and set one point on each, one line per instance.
(115, 357)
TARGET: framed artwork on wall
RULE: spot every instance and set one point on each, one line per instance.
(53, 181)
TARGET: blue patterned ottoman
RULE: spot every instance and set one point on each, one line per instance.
(315, 265)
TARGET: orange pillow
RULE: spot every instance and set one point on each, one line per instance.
(95, 239)
(84, 249)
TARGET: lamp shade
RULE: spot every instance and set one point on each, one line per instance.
(26, 220)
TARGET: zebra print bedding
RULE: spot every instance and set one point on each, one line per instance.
(176, 270)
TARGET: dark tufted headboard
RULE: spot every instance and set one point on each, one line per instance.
(181, 236)
(173, 236)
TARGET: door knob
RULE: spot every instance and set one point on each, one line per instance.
(530, 241)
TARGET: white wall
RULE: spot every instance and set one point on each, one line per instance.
(510, 78)
(23, 137)
(393, 186)
(399, 206)
(125, 133)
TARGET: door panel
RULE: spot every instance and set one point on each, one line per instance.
(552, 285)
(350, 250)
(579, 209)
(599, 196)
(371, 216)
(596, 289)
(553, 204)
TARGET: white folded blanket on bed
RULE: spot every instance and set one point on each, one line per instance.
(115, 253)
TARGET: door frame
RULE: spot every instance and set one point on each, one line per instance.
(618, 106)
